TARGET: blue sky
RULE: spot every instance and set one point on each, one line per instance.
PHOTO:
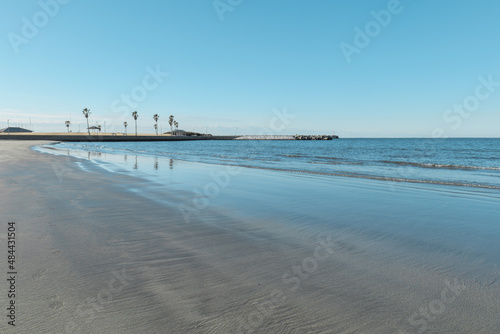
(420, 68)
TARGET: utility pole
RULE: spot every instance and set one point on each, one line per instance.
(8, 126)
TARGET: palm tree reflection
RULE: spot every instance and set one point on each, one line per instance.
(94, 154)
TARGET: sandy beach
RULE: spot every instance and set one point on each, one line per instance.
(106, 252)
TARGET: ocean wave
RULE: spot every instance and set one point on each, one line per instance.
(334, 161)
(380, 178)
(444, 166)
(293, 155)
(318, 163)
(326, 158)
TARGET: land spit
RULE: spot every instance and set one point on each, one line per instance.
(147, 137)
(107, 137)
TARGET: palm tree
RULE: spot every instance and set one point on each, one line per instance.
(135, 115)
(125, 125)
(170, 122)
(176, 124)
(67, 124)
(156, 117)
(99, 129)
(86, 112)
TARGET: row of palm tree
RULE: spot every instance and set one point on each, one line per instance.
(156, 117)
(172, 121)
(135, 115)
(86, 112)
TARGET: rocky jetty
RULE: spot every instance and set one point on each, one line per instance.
(315, 137)
(266, 137)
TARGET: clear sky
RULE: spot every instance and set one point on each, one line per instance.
(375, 68)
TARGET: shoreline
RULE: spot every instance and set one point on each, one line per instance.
(73, 137)
(388, 252)
(391, 180)
(108, 137)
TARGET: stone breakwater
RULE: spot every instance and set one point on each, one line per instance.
(265, 137)
(286, 137)
(315, 137)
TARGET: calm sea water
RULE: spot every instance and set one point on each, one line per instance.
(462, 162)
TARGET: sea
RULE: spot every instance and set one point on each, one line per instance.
(462, 162)
(406, 216)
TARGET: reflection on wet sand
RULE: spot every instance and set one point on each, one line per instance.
(123, 160)
(94, 155)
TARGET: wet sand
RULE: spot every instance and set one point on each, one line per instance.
(271, 252)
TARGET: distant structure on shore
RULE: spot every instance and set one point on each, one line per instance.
(185, 133)
(14, 130)
(94, 128)
(179, 133)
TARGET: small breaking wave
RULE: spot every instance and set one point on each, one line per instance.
(443, 166)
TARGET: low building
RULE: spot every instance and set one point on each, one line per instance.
(95, 128)
(14, 129)
(177, 133)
